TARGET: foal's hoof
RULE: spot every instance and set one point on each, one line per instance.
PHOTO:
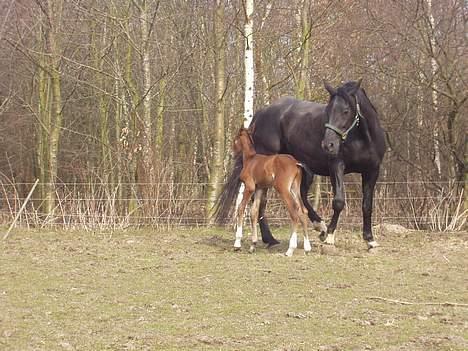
(252, 249)
(328, 250)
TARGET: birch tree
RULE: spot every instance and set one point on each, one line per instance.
(249, 63)
(249, 71)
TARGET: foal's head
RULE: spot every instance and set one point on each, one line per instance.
(242, 140)
(343, 115)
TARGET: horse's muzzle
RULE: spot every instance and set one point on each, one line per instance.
(331, 147)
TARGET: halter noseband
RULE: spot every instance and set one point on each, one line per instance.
(355, 123)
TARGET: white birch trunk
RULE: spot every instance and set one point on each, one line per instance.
(249, 76)
(147, 142)
(435, 97)
(249, 63)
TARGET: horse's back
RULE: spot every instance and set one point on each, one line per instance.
(271, 122)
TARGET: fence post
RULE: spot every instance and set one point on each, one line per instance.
(21, 210)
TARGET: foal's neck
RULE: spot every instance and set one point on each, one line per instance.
(248, 151)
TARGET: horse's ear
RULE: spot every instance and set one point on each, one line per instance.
(356, 88)
(358, 83)
(329, 88)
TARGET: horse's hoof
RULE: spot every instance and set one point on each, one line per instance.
(373, 250)
(307, 253)
(323, 236)
(328, 250)
(272, 243)
(237, 249)
(252, 249)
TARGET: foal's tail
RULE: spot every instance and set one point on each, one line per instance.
(303, 172)
(225, 203)
(306, 169)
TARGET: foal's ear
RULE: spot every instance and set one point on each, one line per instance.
(251, 129)
(329, 88)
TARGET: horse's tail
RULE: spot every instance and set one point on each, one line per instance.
(225, 203)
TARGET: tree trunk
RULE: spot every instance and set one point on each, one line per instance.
(302, 82)
(249, 63)
(216, 169)
(435, 97)
(50, 106)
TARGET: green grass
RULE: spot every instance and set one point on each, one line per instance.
(186, 289)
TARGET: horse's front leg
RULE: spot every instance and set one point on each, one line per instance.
(240, 216)
(368, 186)
(317, 222)
(337, 179)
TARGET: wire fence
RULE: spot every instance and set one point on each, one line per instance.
(435, 206)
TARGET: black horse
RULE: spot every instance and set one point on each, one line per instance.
(341, 137)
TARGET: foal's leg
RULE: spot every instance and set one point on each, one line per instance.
(240, 215)
(337, 177)
(368, 186)
(302, 211)
(254, 218)
(317, 222)
(294, 214)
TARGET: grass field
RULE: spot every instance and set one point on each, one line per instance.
(186, 289)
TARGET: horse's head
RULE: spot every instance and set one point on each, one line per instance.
(343, 114)
(242, 139)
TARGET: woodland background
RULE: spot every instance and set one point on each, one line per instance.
(125, 110)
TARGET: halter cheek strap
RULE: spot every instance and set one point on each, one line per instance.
(355, 123)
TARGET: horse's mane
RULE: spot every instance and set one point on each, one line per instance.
(346, 88)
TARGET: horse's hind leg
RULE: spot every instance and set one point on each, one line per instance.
(267, 237)
(368, 185)
(337, 177)
(254, 218)
(317, 222)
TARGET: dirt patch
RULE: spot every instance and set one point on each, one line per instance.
(187, 289)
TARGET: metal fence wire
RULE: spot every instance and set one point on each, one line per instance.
(415, 205)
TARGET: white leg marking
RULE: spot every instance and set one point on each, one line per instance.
(330, 239)
(307, 246)
(292, 244)
(372, 244)
(323, 227)
(237, 243)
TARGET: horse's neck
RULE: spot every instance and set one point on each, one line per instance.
(248, 151)
(369, 114)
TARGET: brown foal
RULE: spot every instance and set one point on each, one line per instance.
(282, 172)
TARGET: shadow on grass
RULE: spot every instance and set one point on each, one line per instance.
(222, 243)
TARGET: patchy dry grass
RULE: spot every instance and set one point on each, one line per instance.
(187, 290)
